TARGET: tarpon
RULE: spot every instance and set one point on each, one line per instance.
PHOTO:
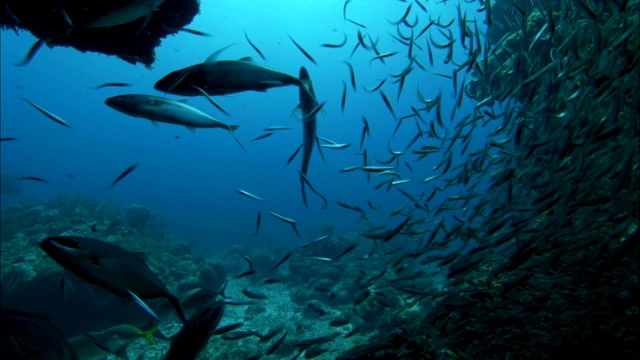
(108, 266)
(219, 77)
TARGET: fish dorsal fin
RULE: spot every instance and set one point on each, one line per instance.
(184, 101)
(212, 58)
(246, 58)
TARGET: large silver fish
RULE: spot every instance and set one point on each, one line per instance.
(156, 108)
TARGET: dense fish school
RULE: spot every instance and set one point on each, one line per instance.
(514, 233)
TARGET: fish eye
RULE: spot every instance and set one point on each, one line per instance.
(65, 242)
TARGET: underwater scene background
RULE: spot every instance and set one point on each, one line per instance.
(472, 188)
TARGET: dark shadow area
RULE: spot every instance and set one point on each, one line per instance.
(133, 41)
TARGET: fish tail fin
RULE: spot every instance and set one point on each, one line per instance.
(304, 181)
(150, 334)
(176, 304)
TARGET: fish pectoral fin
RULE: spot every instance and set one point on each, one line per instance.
(317, 140)
(294, 112)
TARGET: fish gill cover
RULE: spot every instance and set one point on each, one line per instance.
(449, 179)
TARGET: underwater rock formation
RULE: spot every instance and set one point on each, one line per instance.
(212, 276)
(137, 216)
(133, 42)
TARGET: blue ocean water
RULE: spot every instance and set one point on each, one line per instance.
(191, 181)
